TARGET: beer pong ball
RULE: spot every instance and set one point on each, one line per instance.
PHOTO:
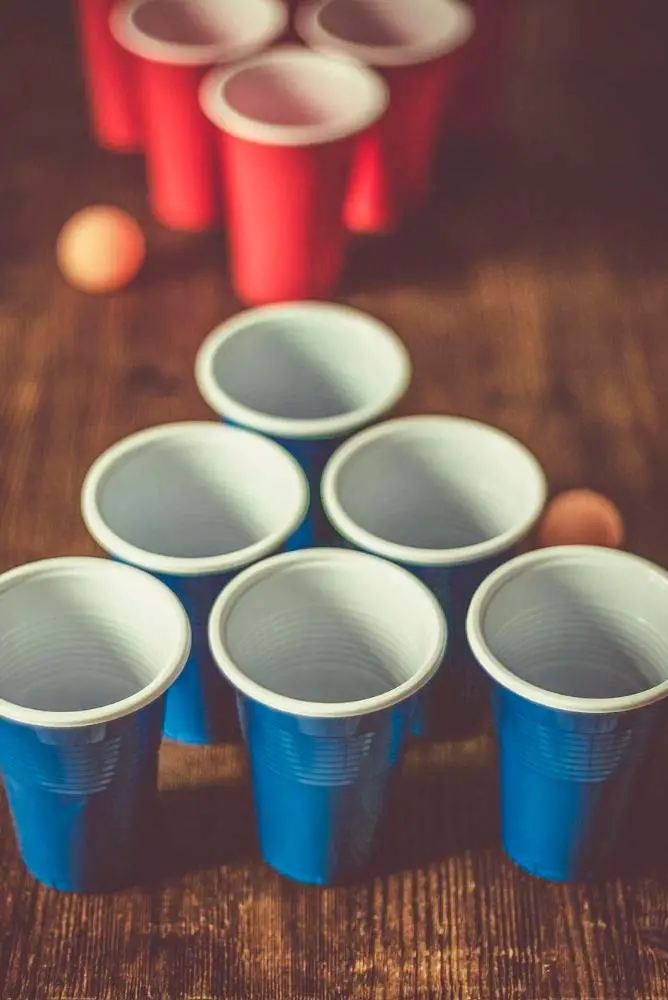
(100, 249)
(582, 517)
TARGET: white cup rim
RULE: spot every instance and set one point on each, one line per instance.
(290, 427)
(532, 692)
(137, 42)
(235, 123)
(310, 28)
(104, 568)
(156, 562)
(409, 554)
(311, 709)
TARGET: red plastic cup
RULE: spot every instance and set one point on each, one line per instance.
(176, 42)
(475, 103)
(416, 45)
(109, 74)
(290, 121)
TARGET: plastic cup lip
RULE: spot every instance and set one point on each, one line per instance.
(290, 427)
(310, 28)
(156, 562)
(531, 692)
(130, 36)
(356, 120)
(224, 605)
(409, 554)
(102, 569)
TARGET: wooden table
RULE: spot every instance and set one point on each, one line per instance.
(535, 297)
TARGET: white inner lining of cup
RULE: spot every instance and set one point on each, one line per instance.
(292, 96)
(314, 366)
(433, 484)
(197, 32)
(377, 22)
(582, 626)
(184, 493)
(77, 640)
(190, 23)
(328, 629)
(387, 32)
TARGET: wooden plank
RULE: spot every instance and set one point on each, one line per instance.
(534, 296)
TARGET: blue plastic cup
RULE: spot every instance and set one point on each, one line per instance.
(449, 499)
(576, 641)
(193, 503)
(308, 375)
(327, 650)
(89, 648)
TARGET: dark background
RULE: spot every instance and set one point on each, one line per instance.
(535, 297)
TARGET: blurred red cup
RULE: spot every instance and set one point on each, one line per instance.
(416, 44)
(290, 121)
(109, 75)
(474, 108)
(176, 42)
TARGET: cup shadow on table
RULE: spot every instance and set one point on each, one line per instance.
(427, 245)
(202, 827)
(643, 848)
(181, 256)
(510, 201)
(444, 803)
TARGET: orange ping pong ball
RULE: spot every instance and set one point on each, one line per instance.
(582, 517)
(100, 249)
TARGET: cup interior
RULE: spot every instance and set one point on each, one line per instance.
(301, 89)
(331, 632)
(582, 627)
(196, 491)
(78, 640)
(435, 484)
(232, 24)
(316, 364)
(382, 23)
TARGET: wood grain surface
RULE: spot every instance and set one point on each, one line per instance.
(534, 296)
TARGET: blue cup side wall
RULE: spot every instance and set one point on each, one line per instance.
(320, 786)
(457, 696)
(312, 454)
(200, 703)
(565, 784)
(81, 800)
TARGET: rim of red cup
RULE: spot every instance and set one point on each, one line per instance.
(99, 572)
(327, 560)
(210, 434)
(330, 70)
(227, 406)
(405, 428)
(448, 26)
(603, 559)
(131, 36)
